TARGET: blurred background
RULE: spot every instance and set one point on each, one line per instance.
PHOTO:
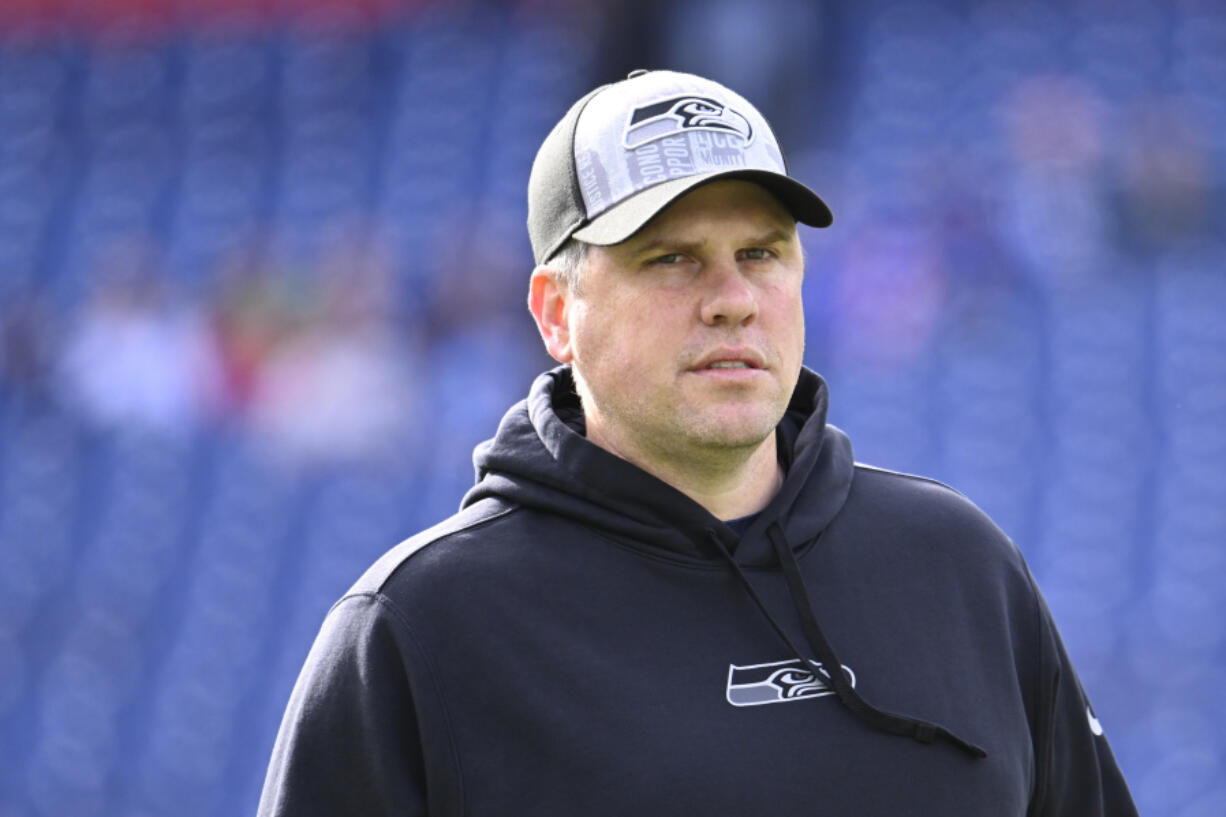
(262, 281)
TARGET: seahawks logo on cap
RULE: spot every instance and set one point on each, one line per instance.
(683, 113)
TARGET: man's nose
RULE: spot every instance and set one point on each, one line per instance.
(729, 297)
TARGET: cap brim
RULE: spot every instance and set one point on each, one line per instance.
(625, 219)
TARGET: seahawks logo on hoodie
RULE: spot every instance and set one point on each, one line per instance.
(779, 682)
(683, 113)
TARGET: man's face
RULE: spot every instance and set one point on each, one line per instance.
(688, 336)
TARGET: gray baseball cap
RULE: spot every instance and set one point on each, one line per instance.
(627, 150)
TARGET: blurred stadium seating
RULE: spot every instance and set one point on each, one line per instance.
(261, 292)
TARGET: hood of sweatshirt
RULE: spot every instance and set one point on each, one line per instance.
(540, 458)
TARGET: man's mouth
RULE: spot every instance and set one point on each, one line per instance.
(730, 359)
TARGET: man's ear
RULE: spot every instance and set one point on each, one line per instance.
(549, 302)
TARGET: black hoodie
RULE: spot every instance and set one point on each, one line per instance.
(582, 638)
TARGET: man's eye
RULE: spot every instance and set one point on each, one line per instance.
(758, 254)
(670, 258)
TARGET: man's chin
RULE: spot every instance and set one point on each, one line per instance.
(735, 426)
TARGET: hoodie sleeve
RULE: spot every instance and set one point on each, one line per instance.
(1076, 773)
(349, 741)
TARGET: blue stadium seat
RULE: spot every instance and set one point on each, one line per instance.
(225, 73)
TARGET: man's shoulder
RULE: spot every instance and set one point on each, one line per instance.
(926, 506)
(904, 485)
(928, 529)
(422, 548)
(921, 487)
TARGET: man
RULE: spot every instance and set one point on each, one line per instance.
(671, 590)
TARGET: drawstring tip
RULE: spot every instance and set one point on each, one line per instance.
(928, 732)
(965, 745)
(976, 751)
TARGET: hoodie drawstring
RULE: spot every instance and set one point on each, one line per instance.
(890, 723)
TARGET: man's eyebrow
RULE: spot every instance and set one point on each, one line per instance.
(777, 235)
(667, 245)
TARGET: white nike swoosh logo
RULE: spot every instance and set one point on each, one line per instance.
(1095, 726)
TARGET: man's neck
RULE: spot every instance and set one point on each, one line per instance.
(729, 484)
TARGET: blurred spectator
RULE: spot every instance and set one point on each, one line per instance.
(253, 309)
(474, 282)
(1166, 176)
(626, 34)
(986, 277)
(890, 290)
(717, 38)
(1054, 129)
(136, 356)
(338, 387)
(26, 349)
